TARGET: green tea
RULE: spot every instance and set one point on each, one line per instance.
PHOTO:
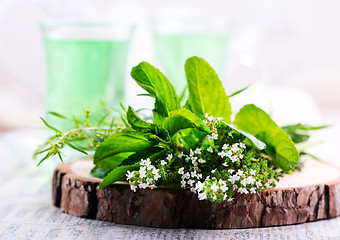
(172, 51)
(81, 74)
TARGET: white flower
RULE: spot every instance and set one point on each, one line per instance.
(214, 187)
(240, 156)
(149, 180)
(250, 180)
(198, 151)
(186, 176)
(225, 146)
(156, 174)
(230, 199)
(225, 164)
(229, 154)
(202, 196)
(130, 175)
(191, 182)
(211, 118)
(224, 187)
(244, 182)
(148, 164)
(199, 176)
(201, 161)
(242, 190)
(214, 170)
(169, 157)
(181, 170)
(233, 178)
(234, 147)
(214, 135)
(206, 115)
(258, 184)
(219, 118)
(253, 172)
(143, 185)
(205, 122)
(222, 154)
(163, 162)
(193, 174)
(252, 190)
(180, 155)
(142, 172)
(191, 153)
(199, 186)
(231, 170)
(183, 183)
(242, 145)
(133, 188)
(234, 158)
(239, 172)
(209, 149)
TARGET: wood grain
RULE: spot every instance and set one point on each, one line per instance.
(78, 195)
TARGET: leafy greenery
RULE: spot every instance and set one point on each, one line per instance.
(206, 93)
(280, 147)
(192, 146)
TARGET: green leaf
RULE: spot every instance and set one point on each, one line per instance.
(76, 147)
(239, 91)
(124, 141)
(50, 127)
(256, 142)
(206, 93)
(158, 86)
(300, 132)
(57, 115)
(280, 147)
(135, 121)
(118, 174)
(181, 119)
(107, 165)
(142, 154)
(190, 138)
(160, 134)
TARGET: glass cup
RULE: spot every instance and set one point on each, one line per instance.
(86, 65)
(178, 38)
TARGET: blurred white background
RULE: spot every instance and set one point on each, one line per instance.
(291, 46)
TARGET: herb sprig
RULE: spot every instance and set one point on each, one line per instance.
(194, 146)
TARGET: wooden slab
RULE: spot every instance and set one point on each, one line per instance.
(309, 195)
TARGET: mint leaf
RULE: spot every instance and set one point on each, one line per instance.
(206, 93)
(159, 87)
(159, 133)
(124, 141)
(181, 119)
(280, 147)
(256, 142)
(107, 165)
(118, 174)
(135, 121)
(142, 154)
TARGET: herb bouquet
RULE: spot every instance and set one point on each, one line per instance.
(193, 146)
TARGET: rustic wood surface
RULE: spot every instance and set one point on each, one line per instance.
(77, 194)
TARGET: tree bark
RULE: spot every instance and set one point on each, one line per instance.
(78, 195)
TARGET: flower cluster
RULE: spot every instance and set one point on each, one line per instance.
(145, 177)
(216, 169)
(213, 190)
(232, 153)
(211, 123)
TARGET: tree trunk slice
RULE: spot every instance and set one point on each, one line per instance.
(309, 195)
